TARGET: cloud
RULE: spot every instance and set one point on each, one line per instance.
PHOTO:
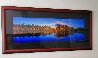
(58, 22)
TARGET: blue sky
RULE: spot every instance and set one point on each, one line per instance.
(77, 23)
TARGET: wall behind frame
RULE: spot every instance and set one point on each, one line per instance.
(57, 4)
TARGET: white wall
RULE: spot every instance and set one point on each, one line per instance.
(61, 4)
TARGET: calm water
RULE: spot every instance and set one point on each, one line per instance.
(50, 38)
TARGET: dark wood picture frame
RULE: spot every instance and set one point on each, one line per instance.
(4, 40)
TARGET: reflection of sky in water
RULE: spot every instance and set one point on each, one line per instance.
(50, 38)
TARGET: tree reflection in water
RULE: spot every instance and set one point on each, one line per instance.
(35, 30)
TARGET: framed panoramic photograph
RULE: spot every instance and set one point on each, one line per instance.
(27, 29)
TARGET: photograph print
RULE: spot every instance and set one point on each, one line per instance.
(27, 29)
(33, 33)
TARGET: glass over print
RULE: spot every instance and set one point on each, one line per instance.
(40, 29)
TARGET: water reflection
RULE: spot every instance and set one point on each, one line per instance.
(35, 33)
(49, 38)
